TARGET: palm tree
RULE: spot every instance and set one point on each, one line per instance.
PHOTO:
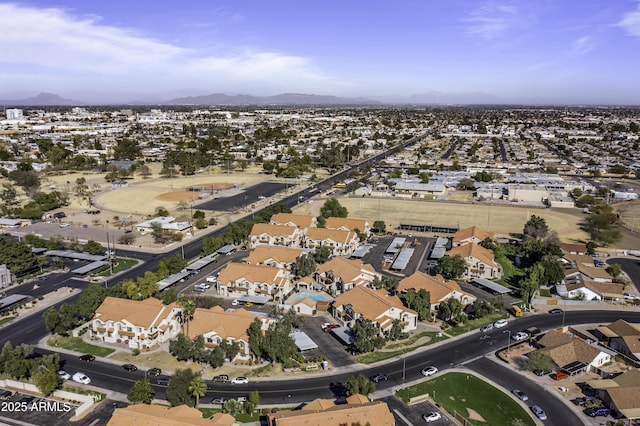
(197, 388)
(188, 309)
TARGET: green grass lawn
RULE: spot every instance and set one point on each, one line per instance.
(403, 348)
(476, 323)
(119, 265)
(78, 345)
(6, 320)
(456, 392)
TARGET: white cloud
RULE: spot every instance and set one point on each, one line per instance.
(76, 50)
(491, 20)
(631, 22)
(583, 44)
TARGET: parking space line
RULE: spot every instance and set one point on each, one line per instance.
(406, 420)
(17, 422)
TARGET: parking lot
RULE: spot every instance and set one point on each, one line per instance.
(412, 414)
(27, 409)
(328, 345)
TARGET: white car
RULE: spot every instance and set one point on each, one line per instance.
(431, 417)
(239, 381)
(235, 302)
(65, 225)
(520, 335)
(429, 371)
(500, 323)
(81, 378)
(63, 375)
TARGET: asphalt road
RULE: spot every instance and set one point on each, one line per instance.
(557, 412)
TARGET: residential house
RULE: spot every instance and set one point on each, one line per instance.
(621, 393)
(479, 260)
(322, 412)
(216, 324)
(571, 354)
(621, 336)
(237, 279)
(572, 248)
(584, 281)
(440, 290)
(280, 257)
(341, 243)
(584, 265)
(139, 324)
(159, 415)
(348, 224)
(341, 274)
(300, 221)
(474, 234)
(375, 305)
(577, 287)
(274, 235)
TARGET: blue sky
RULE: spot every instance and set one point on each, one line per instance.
(529, 51)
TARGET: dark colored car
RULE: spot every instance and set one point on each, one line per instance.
(130, 367)
(379, 377)
(154, 372)
(87, 357)
(597, 412)
(222, 378)
(555, 311)
(163, 380)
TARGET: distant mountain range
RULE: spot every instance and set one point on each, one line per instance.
(282, 99)
(43, 99)
(299, 99)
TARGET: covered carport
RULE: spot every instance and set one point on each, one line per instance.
(491, 286)
(302, 341)
(257, 300)
(93, 266)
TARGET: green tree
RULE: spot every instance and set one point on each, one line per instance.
(127, 149)
(451, 310)
(232, 407)
(141, 392)
(322, 254)
(305, 265)
(46, 379)
(188, 309)
(197, 388)
(536, 227)
(360, 385)
(539, 361)
(615, 269)
(451, 267)
(51, 319)
(591, 248)
(367, 337)
(178, 389)
(93, 247)
(379, 226)
(254, 398)
(333, 208)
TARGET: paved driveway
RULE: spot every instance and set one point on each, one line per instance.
(328, 345)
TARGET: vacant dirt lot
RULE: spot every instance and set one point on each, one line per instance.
(502, 220)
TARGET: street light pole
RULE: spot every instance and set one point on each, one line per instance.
(508, 341)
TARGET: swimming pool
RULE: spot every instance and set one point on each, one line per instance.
(316, 297)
